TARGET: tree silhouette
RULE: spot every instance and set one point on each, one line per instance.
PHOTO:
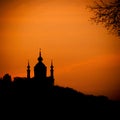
(7, 78)
(107, 13)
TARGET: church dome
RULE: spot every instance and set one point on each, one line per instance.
(40, 66)
(40, 69)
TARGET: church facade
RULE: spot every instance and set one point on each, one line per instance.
(40, 72)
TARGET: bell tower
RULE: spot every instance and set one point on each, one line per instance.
(52, 70)
(52, 73)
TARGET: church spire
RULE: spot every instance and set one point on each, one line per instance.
(52, 70)
(40, 57)
(28, 71)
(40, 52)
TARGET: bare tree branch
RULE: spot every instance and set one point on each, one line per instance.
(108, 14)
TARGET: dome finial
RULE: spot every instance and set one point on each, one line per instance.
(40, 52)
(40, 57)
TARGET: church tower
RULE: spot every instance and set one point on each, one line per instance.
(52, 73)
(40, 69)
(28, 71)
(52, 70)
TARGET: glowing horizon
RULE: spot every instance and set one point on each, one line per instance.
(85, 56)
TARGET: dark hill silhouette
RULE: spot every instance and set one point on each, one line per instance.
(56, 99)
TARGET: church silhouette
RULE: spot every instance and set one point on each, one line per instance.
(40, 91)
(40, 72)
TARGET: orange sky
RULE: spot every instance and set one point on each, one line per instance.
(86, 57)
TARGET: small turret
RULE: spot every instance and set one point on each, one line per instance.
(52, 72)
(28, 71)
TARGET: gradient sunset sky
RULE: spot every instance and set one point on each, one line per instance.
(86, 57)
